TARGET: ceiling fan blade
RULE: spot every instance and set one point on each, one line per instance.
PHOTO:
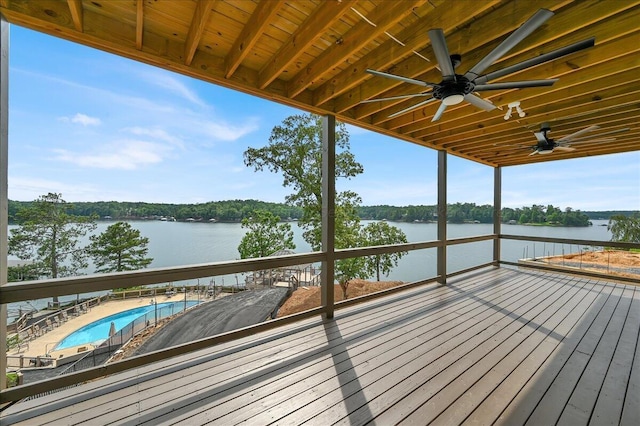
(515, 85)
(533, 153)
(593, 141)
(540, 137)
(418, 105)
(564, 148)
(599, 136)
(563, 51)
(439, 112)
(393, 98)
(539, 18)
(578, 133)
(400, 78)
(439, 45)
(479, 102)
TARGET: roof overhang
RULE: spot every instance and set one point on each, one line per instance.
(312, 55)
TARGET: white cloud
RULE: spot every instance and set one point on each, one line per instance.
(220, 130)
(124, 155)
(83, 119)
(158, 134)
(174, 86)
(28, 188)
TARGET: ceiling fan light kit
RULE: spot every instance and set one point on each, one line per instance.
(454, 88)
(511, 106)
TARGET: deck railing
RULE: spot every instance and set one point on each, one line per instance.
(15, 292)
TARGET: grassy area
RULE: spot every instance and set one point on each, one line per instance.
(12, 379)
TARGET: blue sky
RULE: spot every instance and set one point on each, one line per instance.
(96, 127)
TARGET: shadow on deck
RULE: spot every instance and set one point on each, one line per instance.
(498, 346)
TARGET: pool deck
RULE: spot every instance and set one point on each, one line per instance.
(41, 345)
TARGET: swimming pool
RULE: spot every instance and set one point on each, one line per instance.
(98, 331)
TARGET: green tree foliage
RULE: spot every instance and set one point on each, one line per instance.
(119, 248)
(26, 272)
(378, 234)
(295, 150)
(265, 235)
(236, 210)
(50, 237)
(625, 228)
(221, 211)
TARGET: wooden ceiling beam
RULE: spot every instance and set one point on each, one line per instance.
(75, 7)
(198, 25)
(317, 24)
(506, 136)
(594, 150)
(545, 39)
(605, 61)
(413, 38)
(624, 100)
(260, 19)
(567, 87)
(384, 17)
(517, 153)
(415, 67)
(139, 23)
(509, 141)
(609, 44)
(554, 107)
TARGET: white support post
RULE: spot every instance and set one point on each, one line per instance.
(497, 213)
(4, 197)
(442, 217)
(328, 213)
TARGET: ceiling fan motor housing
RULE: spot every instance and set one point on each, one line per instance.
(460, 86)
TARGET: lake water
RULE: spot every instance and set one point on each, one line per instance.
(184, 243)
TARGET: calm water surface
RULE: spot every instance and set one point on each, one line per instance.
(182, 243)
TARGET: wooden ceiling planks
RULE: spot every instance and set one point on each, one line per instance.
(313, 55)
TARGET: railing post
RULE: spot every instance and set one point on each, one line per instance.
(328, 212)
(497, 213)
(442, 217)
(4, 200)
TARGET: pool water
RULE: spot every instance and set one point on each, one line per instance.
(98, 331)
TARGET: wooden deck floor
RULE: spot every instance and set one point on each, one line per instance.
(500, 346)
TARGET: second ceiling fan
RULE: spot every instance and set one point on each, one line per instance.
(455, 88)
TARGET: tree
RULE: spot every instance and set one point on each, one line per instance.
(265, 235)
(26, 272)
(378, 234)
(625, 228)
(50, 237)
(295, 150)
(119, 248)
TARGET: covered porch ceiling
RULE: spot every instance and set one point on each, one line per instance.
(313, 55)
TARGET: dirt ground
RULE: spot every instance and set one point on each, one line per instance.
(306, 298)
(616, 262)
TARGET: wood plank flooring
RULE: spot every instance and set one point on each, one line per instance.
(498, 346)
